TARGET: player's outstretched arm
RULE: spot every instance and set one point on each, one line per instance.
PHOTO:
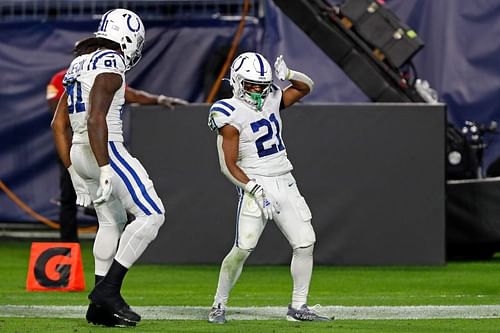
(301, 83)
(144, 98)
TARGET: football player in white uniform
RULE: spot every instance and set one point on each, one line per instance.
(101, 169)
(252, 155)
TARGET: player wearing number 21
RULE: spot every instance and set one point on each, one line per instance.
(252, 156)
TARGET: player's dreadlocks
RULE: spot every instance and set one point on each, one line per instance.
(91, 44)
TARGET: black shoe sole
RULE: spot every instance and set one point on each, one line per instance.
(97, 315)
(116, 306)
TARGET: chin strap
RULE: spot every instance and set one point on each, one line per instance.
(257, 98)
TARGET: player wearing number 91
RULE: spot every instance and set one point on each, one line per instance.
(252, 155)
(101, 168)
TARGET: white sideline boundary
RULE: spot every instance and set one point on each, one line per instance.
(270, 313)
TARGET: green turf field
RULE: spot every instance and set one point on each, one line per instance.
(161, 287)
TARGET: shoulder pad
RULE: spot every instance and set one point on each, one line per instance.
(74, 70)
(219, 114)
(107, 60)
(275, 89)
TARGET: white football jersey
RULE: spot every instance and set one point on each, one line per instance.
(79, 80)
(261, 148)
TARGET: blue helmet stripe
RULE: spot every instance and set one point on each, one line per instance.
(261, 64)
(103, 20)
(241, 64)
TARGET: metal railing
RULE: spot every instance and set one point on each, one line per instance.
(22, 10)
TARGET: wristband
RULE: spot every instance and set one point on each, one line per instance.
(106, 169)
(298, 76)
(251, 187)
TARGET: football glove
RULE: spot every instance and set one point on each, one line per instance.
(81, 189)
(170, 102)
(281, 69)
(105, 185)
(284, 73)
(268, 206)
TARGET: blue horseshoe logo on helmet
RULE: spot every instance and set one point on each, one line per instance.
(241, 64)
(129, 17)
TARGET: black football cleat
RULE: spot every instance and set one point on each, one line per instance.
(115, 305)
(97, 315)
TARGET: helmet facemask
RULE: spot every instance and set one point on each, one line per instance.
(132, 53)
(255, 98)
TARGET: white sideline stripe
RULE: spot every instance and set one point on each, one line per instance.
(270, 313)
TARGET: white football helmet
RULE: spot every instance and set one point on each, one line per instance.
(125, 28)
(251, 68)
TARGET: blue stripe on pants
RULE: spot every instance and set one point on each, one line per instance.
(136, 178)
(129, 187)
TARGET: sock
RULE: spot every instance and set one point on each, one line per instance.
(112, 282)
(301, 269)
(97, 279)
(230, 271)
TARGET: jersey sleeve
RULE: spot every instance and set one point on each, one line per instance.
(107, 61)
(277, 93)
(222, 113)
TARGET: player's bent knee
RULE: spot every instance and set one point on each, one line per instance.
(104, 254)
(147, 227)
(244, 250)
(306, 248)
(106, 241)
(104, 251)
(247, 242)
(158, 221)
(237, 254)
(304, 240)
(152, 226)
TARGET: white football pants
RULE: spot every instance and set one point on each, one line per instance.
(294, 221)
(133, 191)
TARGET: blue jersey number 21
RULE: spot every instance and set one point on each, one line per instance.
(268, 136)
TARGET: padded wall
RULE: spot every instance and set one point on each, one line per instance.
(373, 175)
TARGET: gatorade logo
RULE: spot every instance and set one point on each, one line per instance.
(52, 269)
(55, 266)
